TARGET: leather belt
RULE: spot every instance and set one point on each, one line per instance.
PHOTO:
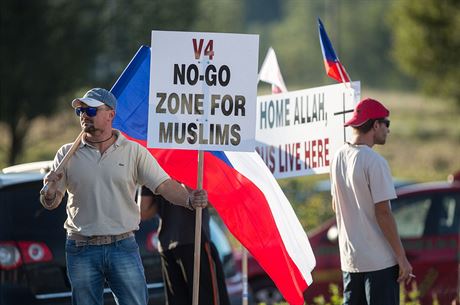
(97, 240)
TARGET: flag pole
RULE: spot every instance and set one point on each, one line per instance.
(198, 221)
(342, 76)
(66, 159)
(244, 269)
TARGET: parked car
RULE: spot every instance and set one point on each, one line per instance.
(32, 253)
(428, 219)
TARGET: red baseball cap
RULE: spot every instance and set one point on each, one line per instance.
(366, 110)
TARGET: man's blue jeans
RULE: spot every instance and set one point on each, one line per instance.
(118, 263)
(372, 288)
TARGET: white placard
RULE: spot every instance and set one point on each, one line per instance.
(203, 91)
(298, 132)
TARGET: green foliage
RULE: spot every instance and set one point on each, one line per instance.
(311, 207)
(52, 48)
(426, 43)
(128, 24)
(335, 297)
(314, 210)
(362, 44)
(45, 53)
(411, 297)
(219, 16)
(263, 11)
(300, 59)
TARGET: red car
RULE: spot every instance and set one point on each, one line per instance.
(428, 218)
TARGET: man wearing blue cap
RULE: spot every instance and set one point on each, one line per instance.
(101, 180)
(372, 257)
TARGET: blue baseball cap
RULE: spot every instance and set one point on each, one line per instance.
(96, 97)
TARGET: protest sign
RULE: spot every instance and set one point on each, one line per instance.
(203, 90)
(299, 131)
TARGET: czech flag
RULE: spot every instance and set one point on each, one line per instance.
(240, 187)
(334, 68)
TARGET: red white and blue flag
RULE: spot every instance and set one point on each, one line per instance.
(334, 67)
(240, 187)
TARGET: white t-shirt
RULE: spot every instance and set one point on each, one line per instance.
(360, 178)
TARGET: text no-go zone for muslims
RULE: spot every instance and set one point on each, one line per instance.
(199, 132)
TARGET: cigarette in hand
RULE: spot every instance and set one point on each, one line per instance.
(412, 275)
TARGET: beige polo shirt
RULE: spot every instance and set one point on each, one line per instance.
(101, 188)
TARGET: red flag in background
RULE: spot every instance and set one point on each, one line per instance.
(270, 73)
(334, 67)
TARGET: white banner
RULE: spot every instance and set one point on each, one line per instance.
(203, 90)
(298, 132)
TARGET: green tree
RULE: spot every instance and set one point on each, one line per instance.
(51, 48)
(219, 16)
(364, 44)
(46, 49)
(131, 23)
(295, 41)
(426, 43)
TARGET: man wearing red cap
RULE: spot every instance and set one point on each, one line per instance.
(372, 257)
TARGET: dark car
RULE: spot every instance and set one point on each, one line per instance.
(32, 253)
(428, 219)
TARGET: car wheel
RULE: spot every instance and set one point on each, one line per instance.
(265, 291)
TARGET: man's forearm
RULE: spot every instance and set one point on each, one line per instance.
(174, 192)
